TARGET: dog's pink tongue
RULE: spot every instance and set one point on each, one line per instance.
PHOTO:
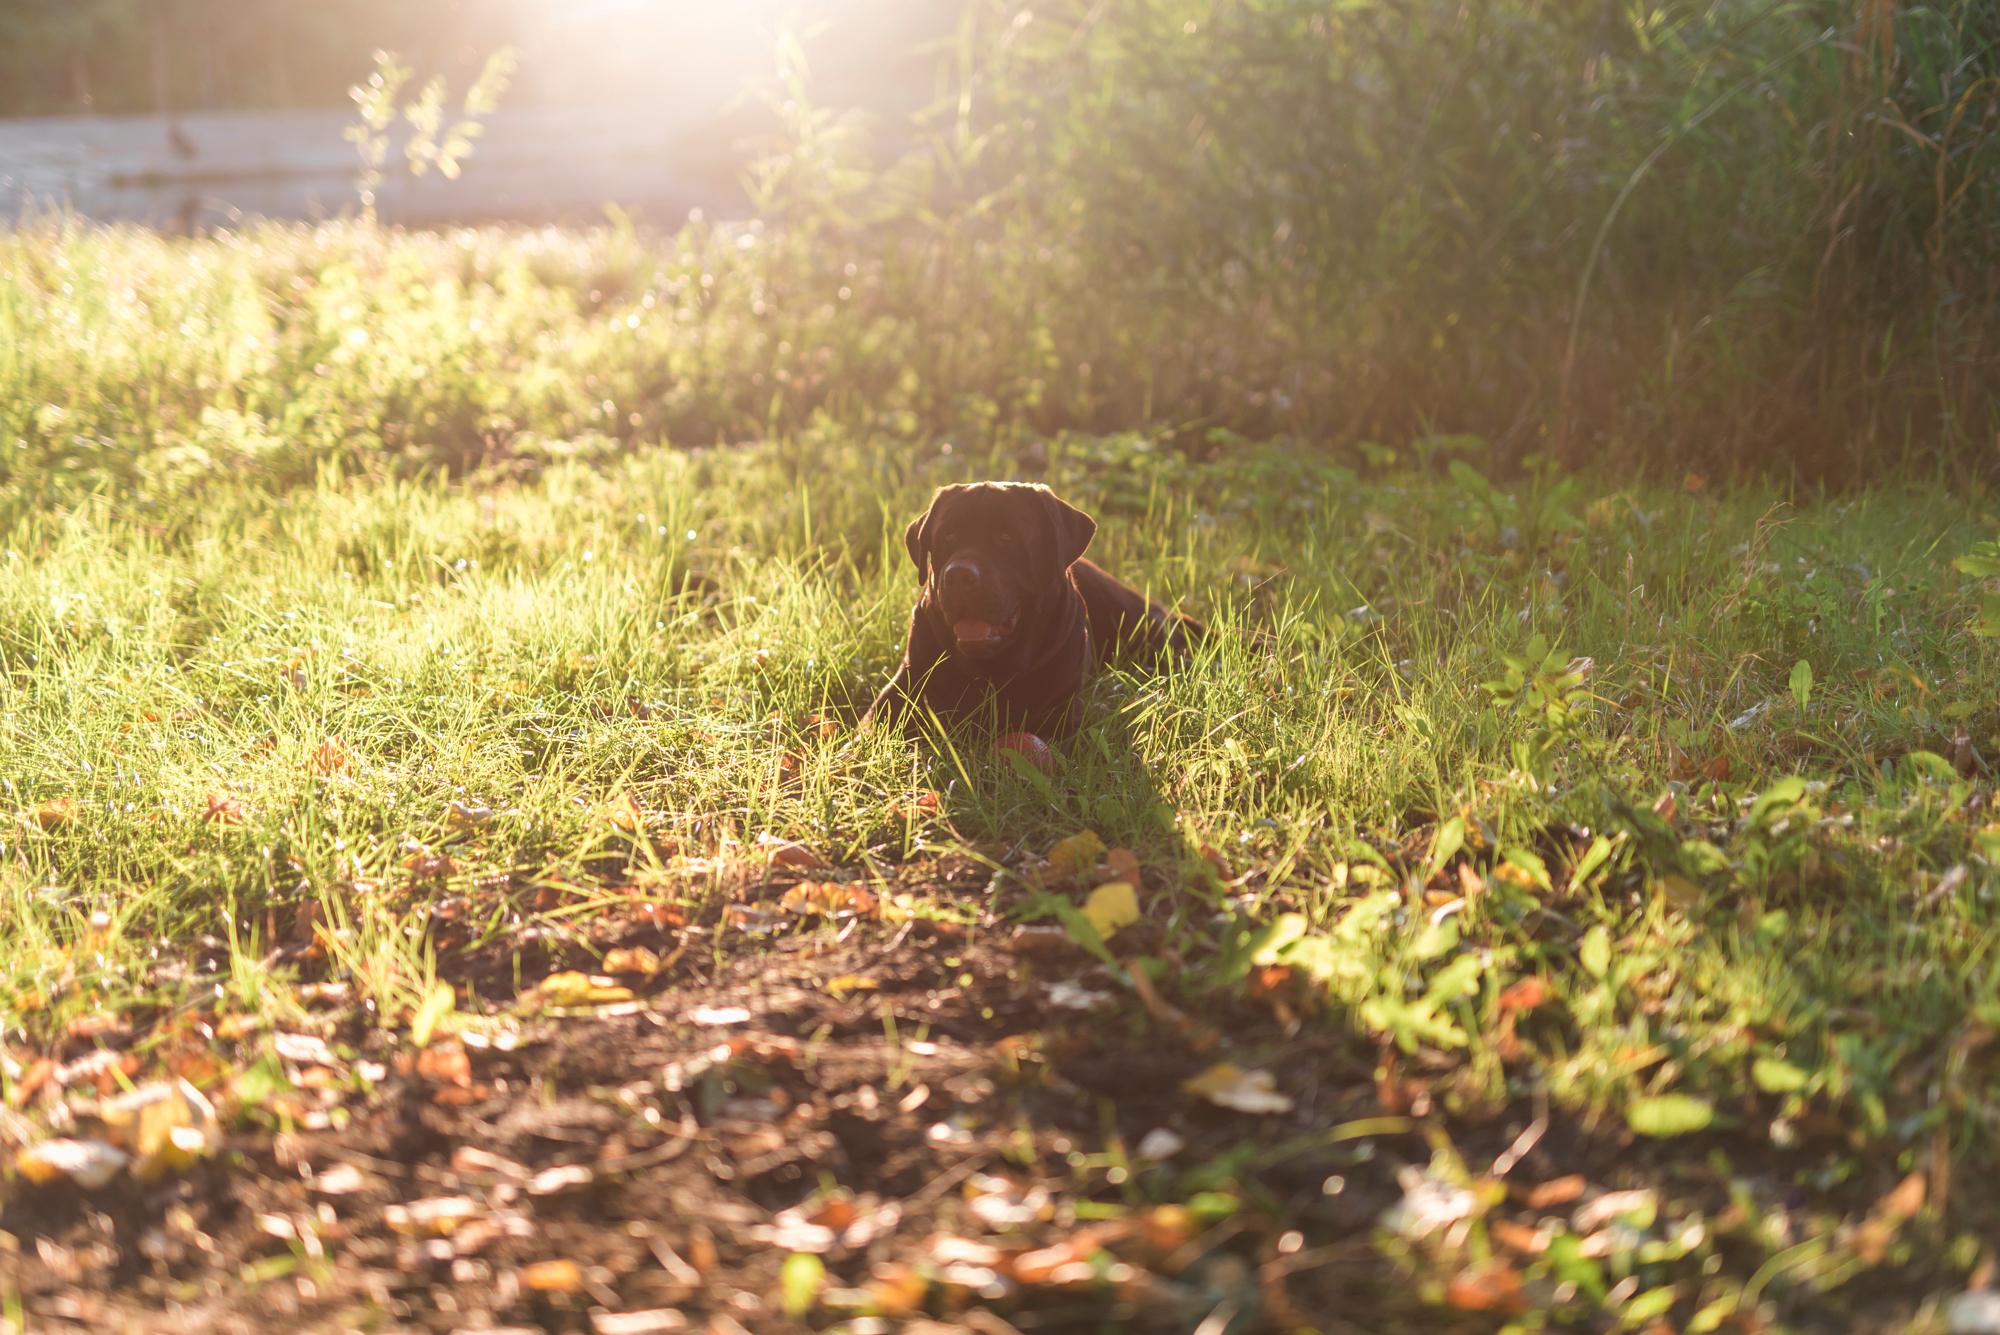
(971, 631)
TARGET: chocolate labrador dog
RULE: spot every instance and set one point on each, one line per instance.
(1010, 611)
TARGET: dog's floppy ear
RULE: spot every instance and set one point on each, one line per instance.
(917, 536)
(1073, 528)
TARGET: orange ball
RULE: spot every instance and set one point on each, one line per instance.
(1034, 748)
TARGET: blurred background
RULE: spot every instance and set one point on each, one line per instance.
(179, 112)
(1728, 235)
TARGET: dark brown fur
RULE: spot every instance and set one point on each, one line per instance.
(1007, 558)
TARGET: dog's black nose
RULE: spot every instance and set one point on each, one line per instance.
(962, 573)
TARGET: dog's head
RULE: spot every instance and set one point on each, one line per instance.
(993, 557)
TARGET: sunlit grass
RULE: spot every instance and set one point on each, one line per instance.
(307, 677)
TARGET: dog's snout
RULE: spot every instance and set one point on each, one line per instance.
(962, 573)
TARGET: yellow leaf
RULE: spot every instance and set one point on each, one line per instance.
(437, 1005)
(1228, 1085)
(624, 814)
(849, 982)
(1111, 906)
(571, 988)
(553, 1277)
(1075, 854)
(632, 959)
(89, 1163)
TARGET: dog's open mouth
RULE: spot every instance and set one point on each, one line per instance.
(979, 638)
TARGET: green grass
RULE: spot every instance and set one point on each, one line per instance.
(254, 652)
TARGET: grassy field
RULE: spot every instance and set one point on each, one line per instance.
(1559, 901)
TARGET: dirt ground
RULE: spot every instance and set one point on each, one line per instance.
(914, 1126)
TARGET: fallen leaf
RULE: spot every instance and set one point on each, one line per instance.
(785, 855)
(1556, 1191)
(571, 988)
(564, 1177)
(1903, 1202)
(54, 813)
(433, 1216)
(659, 1321)
(222, 809)
(1064, 1263)
(460, 816)
(343, 1179)
(800, 1279)
(329, 758)
(1037, 942)
(1030, 748)
(475, 1162)
(1518, 1237)
(631, 959)
(922, 803)
(1110, 907)
(424, 864)
(1228, 1085)
(1524, 995)
(303, 1049)
(1069, 995)
(717, 1016)
(1122, 864)
(552, 1277)
(1601, 1210)
(88, 1163)
(1429, 1203)
(624, 814)
(165, 1125)
(1669, 1115)
(447, 1064)
(37, 1077)
(829, 899)
(1077, 853)
(1493, 1287)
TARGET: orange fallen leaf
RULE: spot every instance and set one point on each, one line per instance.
(55, 812)
(1493, 1287)
(828, 898)
(786, 855)
(223, 810)
(32, 1082)
(1518, 1237)
(1904, 1200)
(631, 959)
(1122, 864)
(1556, 1191)
(1524, 995)
(447, 1064)
(330, 758)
